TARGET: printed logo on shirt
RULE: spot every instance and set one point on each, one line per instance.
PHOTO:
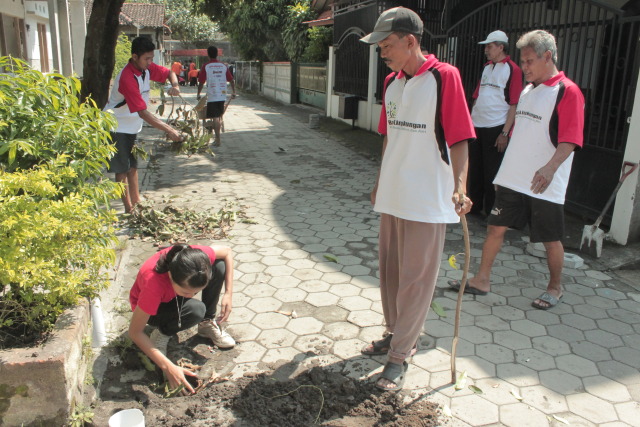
(496, 211)
(392, 110)
(528, 115)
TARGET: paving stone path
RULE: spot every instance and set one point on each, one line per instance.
(309, 198)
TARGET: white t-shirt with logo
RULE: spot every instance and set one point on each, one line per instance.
(416, 177)
(547, 114)
(216, 74)
(499, 88)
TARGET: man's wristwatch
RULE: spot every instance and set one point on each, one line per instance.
(503, 133)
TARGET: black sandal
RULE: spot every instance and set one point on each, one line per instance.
(394, 373)
(380, 347)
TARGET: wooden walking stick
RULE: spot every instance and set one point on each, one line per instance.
(463, 284)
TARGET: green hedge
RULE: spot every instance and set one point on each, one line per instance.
(55, 217)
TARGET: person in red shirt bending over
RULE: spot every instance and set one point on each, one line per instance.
(163, 296)
(128, 102)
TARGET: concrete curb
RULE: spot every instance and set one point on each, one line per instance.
(40, 384)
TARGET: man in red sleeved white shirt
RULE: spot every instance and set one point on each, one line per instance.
(421, 184)
(216, 74)
(534, 175)
(493, 113)
(128, 102)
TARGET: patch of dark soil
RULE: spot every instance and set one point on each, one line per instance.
(313, 397)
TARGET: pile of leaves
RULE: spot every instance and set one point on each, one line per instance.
(185, 118)
(166, 222)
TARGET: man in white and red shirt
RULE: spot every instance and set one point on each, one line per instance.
(128, 102)
(216, 74)
(493, 113)
(421, 184)
(534, 175)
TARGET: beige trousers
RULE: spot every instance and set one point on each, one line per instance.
(410, 254)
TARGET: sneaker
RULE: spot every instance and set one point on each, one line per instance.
(210, 329)
(160, 340)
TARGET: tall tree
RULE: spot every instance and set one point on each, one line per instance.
(99, 51)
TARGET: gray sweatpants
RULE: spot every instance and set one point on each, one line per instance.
(410, 254)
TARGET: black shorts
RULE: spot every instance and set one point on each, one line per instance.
(124, 159)
(516, 210)
(215, 109)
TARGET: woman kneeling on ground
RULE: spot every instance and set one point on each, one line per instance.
(162, 296)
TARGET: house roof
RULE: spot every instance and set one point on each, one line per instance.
(146, 15)
(325, 18)
(142, 14)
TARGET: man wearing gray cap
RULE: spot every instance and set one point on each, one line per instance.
(493, 113)
(421, 184)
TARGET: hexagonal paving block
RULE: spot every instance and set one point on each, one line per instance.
(264, 305)
(543, 317)
(276, 338)
(270, 320)
(517, 374)
(512, 340)
(259, 290)
(491, 323)
(314, 286)
(241, 315)
(298, 264)
(279, 270)
(345, 290)
(576, 365)
(320, 299)
(356, 270)
(528, 328)
(600, 302)
(606, 389)
(604, 338)
(592, 408)
(512, 415)
(476, 367)
(295, 254)
(249, 351)
(355, 303)
(273, 260)
(578, 321)
(307, 274)
(475, 335)
(620, 372)
(495, 353)
(365, 318)
(284, 282)
(314, 343)
(341, 331)
(561, 382)
(290, 295)
(243, 331)
(465, 348)
(624, 315)
(250, 267)
(565, 333)
(475, 410)
(433, 361)
(282, 354)
(629, 412)
(535, 359)
(331, 314)
(590, 351)
(544, 399)
(615, 326)
(336, 278)
(627, 355)
(304, 325)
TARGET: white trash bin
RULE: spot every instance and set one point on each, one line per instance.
(127, 418)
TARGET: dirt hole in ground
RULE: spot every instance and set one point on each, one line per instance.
(314, 397)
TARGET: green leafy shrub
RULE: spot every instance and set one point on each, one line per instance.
(55, 218)
(123, 54)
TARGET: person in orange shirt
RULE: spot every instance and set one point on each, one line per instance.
(193, 75)
(176, 67)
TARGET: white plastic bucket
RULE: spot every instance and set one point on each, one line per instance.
(127, 418)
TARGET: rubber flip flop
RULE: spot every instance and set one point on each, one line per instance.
(394, 373)
(455, 285)
(549, 299)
